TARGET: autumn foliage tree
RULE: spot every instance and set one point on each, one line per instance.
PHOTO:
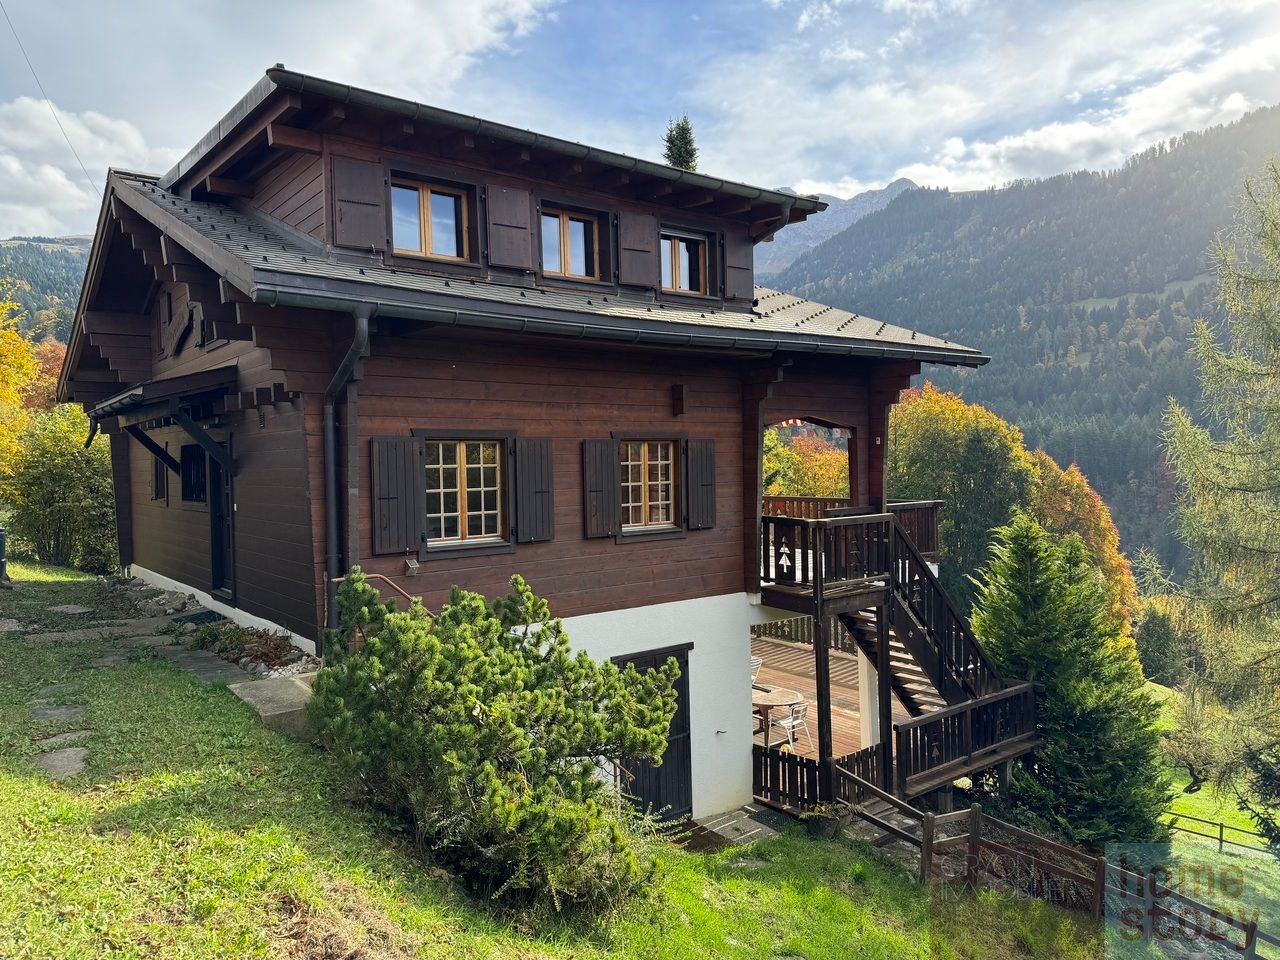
(1064, 503)
(941, 448)
(18, 367)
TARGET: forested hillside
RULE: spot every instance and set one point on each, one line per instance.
(46, 273)
(1082, 287)
(788, 244)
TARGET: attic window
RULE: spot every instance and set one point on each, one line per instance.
(684, 263)
(429, 220)
(570, 245)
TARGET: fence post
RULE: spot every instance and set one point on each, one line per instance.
(1251, 940)
(4, 562)
(1222, 831)
(1099, 887)
(975, 836)
(926, 848)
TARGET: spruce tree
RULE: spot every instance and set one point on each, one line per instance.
(679, 148)
(1041, 612)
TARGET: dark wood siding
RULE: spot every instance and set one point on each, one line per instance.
(535, 490)
(359, 204)
(510, 227)
(565, 393)
(293, 192)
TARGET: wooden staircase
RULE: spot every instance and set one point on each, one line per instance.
(910, 684)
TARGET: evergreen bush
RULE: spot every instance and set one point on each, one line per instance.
(1042, 614)
(489, 735)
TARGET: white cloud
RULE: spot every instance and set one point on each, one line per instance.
(968, 95)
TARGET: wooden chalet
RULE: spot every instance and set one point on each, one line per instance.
(348, 328)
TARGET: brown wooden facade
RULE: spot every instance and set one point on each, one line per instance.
(267, 250)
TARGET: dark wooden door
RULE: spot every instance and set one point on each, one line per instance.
(666, 789)
(221, 528)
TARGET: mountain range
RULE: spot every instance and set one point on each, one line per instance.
(778, 254)
(1082, 287)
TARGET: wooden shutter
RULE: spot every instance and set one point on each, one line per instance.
(535, 498)
(359, 204)
(398, 472)
(700, 472)
(601, 488)
(739, 254)
(638, 249)
(510, 213)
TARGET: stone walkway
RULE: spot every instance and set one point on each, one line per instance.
(60, 755)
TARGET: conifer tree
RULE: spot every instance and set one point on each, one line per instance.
(1041, 612)
(1227, 465)
(679, 148)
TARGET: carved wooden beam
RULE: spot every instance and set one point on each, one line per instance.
(160, 453)
(226, 187)
(296, 139)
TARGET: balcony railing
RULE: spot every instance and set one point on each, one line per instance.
(919, 518)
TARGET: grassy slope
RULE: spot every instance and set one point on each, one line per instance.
(195, 832)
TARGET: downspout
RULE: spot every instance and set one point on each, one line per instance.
(358, 350)
(783, 219)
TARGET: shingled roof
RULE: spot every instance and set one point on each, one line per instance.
(271, 263)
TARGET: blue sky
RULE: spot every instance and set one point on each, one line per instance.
(830, 95)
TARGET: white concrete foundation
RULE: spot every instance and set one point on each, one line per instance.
(720, 724)
(234, 614)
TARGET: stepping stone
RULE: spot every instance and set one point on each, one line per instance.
(281, 702)
(57, 714)
(58, 689)
(10, 626)
(147, 640)
(61, 739)
(71, 608)
(203, 665)
(64, 763)
(113, 658)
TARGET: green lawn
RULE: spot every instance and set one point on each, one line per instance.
(195, 832)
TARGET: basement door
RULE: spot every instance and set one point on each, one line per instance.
(665, 789)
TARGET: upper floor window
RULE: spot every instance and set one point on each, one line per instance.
(648, 483)
(464, 490)
(429, 220)
(570, 245)
(684, 263)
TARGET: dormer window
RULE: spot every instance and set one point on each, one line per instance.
(570, 245)
(429, 220)
(684, 262)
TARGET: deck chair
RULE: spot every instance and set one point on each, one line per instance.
(756, 664)
(797, 719)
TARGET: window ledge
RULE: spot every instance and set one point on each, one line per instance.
(641, 534)
(460, 548)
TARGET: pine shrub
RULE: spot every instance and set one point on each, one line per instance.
(485, 731)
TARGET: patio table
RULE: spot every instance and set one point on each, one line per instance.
(765, 698)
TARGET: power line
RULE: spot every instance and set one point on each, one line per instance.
(49, 103)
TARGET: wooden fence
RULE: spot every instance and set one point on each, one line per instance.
(1219, 832)
(784, 779)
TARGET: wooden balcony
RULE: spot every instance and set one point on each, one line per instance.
(919, 518)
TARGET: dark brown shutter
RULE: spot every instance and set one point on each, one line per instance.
(601, 488)
(510, 212)
(700, 460)
(359, 204)
(638, 249)
(739, 280)
(535, 498)
(398, 473)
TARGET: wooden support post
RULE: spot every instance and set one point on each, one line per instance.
(822, 676)
(1222, 836)
(1004, 772)
(1099, 887)
(1251, 940)
(135, 430)
(885, 694)
(975, 849)
(926, 848)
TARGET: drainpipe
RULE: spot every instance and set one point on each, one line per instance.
(783, 219)
(358, 350)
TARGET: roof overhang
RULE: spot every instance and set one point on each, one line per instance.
(160, 393)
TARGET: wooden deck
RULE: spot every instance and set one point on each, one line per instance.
(791, 665)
